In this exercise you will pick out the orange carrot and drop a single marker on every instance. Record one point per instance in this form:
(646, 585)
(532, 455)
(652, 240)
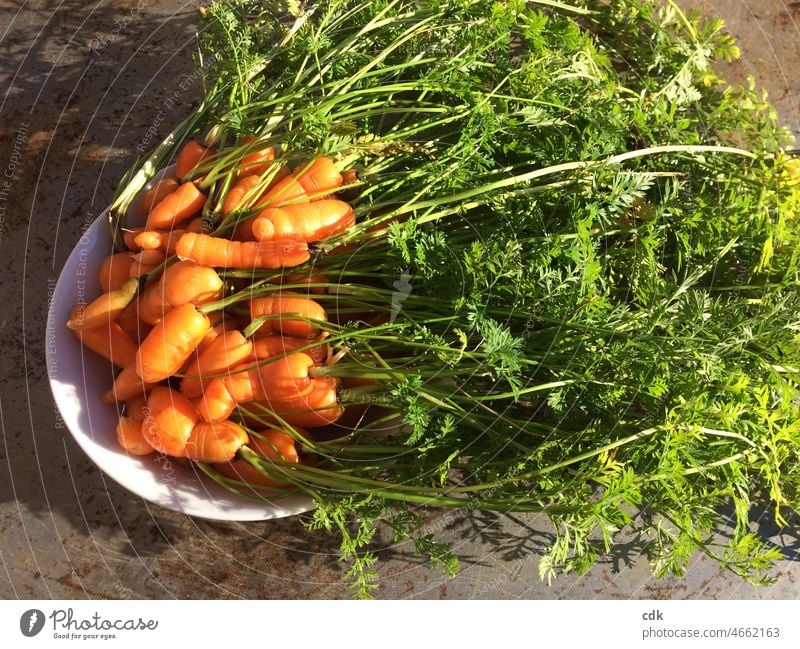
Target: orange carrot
(156, 194)
(146, 240)
(242, 471)
(191, 155)
(226, 351)
(111, 342)
(289, 190)
(349, 176)
(114, 271)
(245, 186)
(130, 437)
(130, 322)
(145, 261)
(219, 252)
(105, 308)
(129, 237)
(303, 221)
(220, 397)
(257, 162)
(136, 408)
(236, 194)
(283, 307)
(166, 240)
(349, 194)
(126, 386)
(186, 282)
(169, 421)
(319, 178)
(215, 442)
(170, 343)
(278, 445)
(243, 231)
(284, 378)
(177, 207)
(158, 239)
(319, 407)
(223, 325)
(181, 283)
(198, 225)
(272, 344)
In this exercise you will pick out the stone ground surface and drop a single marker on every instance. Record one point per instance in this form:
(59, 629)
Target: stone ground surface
(66, 530)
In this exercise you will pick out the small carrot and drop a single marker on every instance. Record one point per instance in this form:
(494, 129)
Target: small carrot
(245, 186)
(177, 207)
(191, 155)
(169, 421)
(282, 308)
(243, 231)
(105, 308)
(111, 342)
(349, 190)
(215, 442)
(127, 385)
(257, 162)
(320, 407)
(277, 446)
(198, 225)
(136, 408)
(166, 240)
(170, 343)
(285, 378)
(272, 344)
(130, 437)
(158, 240)
(145, 240)
(152, 307)
(242, 471)
(181, 283)
(236, 194)
(129, 237)
(319, 178)
(225, 352)
(287, 191)
(114, 271)
(145, 261)
(350, 176)
(130, 322)
(221, 395)
(303, 221)
(219, 252)
(156, 194)
(186, 282)
(223, 323)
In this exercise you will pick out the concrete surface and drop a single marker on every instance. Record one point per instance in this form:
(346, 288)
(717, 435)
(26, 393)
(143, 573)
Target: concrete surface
(81, 86)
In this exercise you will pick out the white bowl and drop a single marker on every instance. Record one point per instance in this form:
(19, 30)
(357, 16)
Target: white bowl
(78, 377)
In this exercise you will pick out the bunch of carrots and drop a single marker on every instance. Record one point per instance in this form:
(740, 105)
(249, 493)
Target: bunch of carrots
(186, 359)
